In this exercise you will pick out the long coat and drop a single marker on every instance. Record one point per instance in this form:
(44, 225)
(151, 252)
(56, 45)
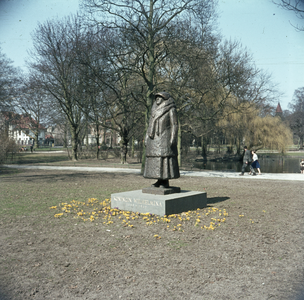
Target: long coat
(161, 142)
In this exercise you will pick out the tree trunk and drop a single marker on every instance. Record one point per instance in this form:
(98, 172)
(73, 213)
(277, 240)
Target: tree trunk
(97, 146)
(238, 146)
(65, 139)
(204, 147)
(111, 139)
(37, 139)
(150, 77)
(230, 147)
(74, 144)
(123, 149)
(132, 147)
(179, 144)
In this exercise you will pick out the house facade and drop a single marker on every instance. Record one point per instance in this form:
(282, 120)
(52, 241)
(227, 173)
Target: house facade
(59, 135)
(25, 136)
(20, 128)
(106, 136)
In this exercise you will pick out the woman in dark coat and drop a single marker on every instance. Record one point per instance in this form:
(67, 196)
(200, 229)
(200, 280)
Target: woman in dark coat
(161, 141)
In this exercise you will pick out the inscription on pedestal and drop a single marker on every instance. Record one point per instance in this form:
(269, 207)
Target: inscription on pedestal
(137, 201)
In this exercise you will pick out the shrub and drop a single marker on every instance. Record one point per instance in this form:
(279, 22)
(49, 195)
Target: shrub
(7, 147)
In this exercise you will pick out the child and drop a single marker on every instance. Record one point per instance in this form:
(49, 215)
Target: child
(302, 166)
(255, 164)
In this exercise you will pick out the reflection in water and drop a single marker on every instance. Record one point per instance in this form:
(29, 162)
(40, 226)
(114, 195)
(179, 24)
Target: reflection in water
(275, 164)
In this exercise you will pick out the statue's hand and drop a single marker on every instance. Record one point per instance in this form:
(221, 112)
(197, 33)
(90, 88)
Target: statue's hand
(146, 139)
(172, 142)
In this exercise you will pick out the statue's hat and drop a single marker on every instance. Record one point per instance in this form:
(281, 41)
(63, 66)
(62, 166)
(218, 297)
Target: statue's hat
(164, 95)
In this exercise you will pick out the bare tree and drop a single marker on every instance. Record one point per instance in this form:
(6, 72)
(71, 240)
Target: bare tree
(34, 103)
(148, 26)
(9, 84)
(171, 45)
(9, 81)
(297, 6)
(217, 83)
(296, 117)
(113, 91)
(55, 66)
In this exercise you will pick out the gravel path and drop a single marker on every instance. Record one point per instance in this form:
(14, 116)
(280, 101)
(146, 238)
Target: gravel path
(220, 174)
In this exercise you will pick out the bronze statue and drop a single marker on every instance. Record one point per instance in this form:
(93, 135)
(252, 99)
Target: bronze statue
(161, 141)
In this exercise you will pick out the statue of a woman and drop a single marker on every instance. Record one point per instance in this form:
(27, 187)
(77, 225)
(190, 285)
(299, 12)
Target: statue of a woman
(161, 141)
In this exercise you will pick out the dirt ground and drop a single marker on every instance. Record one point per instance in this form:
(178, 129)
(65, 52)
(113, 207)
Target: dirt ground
(256, 252)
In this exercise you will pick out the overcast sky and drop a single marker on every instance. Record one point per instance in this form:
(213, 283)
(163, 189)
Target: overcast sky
(259, 25)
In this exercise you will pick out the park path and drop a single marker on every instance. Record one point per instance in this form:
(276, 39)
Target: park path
(204, 173)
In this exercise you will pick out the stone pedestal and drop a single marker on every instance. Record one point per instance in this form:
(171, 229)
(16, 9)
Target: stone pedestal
(161, 191)
(137, 201)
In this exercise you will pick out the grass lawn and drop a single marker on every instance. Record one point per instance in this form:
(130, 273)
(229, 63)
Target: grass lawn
(37, 158)
(60, 239)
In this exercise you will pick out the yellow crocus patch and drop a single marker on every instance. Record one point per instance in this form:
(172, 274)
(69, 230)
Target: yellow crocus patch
(208, 218)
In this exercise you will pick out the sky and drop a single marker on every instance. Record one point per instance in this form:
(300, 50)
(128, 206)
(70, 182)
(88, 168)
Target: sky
(266, 31)
(262, 27)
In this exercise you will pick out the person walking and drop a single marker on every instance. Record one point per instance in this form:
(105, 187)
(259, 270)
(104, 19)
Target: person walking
(247, 161)
(255, 164)
(302, 166)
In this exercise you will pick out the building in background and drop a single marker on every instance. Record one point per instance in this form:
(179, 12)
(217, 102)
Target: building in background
(279, 112)
(21, 128)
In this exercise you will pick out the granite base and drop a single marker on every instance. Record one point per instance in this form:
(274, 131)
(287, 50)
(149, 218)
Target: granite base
(161, 191)
(161, 205)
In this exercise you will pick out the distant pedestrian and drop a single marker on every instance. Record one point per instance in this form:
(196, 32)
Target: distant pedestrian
(247, 161)
(255, 164)
(31, 148)
(302, 166)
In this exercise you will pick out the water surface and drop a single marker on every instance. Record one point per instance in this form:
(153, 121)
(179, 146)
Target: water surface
(269, 164)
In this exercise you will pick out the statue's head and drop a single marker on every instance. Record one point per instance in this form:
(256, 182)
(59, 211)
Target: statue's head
(164, 95)
(161, 96)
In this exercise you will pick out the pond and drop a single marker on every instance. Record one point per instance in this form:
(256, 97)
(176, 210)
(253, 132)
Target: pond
(269, 164)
